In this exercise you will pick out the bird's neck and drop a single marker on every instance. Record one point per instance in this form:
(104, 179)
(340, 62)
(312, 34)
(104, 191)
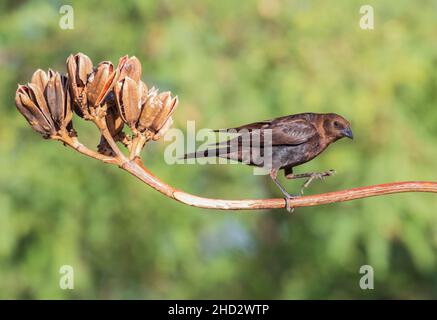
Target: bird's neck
(326, 139)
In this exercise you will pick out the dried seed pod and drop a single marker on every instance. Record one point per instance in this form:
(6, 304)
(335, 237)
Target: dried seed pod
(127, 97)
(79, 68)
(167, 125)
(169, 105)
(129, 90)
(150, 109)
(68, 110)
(100, 83)
(32, 112)
(129, 67)
(45, 103)
(40, 78)
(144, 91)
(58, 99)
(37, 97)
(114, 121)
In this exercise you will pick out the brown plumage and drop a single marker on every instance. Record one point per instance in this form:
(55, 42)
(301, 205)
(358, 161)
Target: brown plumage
(295, 139)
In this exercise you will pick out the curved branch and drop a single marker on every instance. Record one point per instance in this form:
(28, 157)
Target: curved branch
(79, 147)
(137, 169)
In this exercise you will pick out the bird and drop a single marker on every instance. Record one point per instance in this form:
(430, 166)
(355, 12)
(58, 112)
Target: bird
(281, 144)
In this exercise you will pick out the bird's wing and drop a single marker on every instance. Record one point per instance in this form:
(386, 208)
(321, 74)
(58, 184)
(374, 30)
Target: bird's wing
(291, 131)
(284, 131)
(251, 126)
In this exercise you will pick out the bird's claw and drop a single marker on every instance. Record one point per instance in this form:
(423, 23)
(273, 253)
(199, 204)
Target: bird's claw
(289, 208)
(330, 172)
(316, 175)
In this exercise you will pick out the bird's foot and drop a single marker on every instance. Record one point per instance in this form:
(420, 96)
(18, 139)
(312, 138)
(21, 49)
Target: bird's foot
(287, 199)
(316, 175)
(287, 196)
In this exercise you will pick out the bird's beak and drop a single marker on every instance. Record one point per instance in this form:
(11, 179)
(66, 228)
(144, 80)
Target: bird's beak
(348, 133)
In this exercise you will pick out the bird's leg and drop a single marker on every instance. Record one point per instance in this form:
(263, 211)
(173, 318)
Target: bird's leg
(311, 176)
(273, 175)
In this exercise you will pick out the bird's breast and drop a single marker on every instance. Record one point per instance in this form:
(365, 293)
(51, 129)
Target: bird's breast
(286, 156)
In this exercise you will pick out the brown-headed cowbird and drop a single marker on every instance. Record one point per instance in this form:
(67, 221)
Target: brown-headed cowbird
(295, 139)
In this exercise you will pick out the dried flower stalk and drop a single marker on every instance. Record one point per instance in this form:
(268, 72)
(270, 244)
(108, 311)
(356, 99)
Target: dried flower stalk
(112, 97)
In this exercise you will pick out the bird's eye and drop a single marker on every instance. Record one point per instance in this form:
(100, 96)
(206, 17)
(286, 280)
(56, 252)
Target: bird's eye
(336, 124)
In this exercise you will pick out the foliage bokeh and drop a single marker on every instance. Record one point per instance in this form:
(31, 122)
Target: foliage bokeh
(230, 63)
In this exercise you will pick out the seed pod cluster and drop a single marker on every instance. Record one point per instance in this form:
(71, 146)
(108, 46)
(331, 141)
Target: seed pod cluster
(115, 93)
(89, 86)
(142, 108)
(45, 103)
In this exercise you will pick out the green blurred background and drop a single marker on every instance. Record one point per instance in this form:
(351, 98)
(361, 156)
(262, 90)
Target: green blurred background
(230, 63)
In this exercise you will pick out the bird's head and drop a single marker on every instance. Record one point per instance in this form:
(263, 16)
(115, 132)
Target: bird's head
(337, 127)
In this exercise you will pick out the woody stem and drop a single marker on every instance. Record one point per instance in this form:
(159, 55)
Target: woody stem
(76, 145)
(137, 169)
(101, 124)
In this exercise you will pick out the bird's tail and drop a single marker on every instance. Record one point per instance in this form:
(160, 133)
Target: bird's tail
(206, 153)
